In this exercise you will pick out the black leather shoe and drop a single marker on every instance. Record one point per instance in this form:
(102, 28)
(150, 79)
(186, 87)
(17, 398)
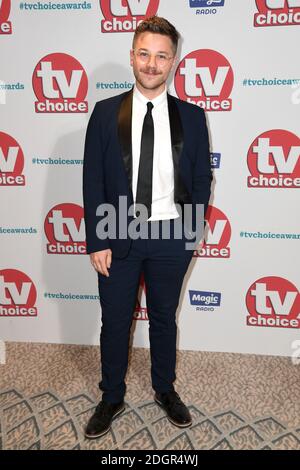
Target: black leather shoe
(176, 410)
(100, 421)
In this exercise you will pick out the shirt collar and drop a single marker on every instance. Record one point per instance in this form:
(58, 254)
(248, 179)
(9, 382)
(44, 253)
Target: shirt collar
(144, 100)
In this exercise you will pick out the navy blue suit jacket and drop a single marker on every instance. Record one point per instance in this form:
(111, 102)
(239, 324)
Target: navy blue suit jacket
(107, 168)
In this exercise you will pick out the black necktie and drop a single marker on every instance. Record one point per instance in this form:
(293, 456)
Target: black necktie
(144, 184)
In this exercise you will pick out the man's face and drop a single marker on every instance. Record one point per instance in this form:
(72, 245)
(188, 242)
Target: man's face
(151, 73)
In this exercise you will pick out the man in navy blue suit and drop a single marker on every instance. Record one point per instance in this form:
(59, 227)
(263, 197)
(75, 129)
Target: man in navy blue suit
(152, 150)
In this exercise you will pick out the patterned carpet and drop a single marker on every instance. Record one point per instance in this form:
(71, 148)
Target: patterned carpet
(48, 392)
(45, 421)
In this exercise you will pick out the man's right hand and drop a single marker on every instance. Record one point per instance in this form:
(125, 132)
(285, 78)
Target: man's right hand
(101, 260)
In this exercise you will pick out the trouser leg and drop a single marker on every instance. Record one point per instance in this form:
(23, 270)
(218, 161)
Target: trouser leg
(117, 298)
(164, 271)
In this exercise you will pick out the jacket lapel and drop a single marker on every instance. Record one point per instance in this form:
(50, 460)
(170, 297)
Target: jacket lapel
(124, 131)
(180, 192)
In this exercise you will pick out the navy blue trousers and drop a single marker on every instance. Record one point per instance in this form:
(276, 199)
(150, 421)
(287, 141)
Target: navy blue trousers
(164, 263)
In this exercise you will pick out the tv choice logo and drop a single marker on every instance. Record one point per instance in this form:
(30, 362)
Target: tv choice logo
(277, 13)
(273, 302)
(11, 161)
(203, 300)
(17, 294)
(65, 230)
(273, 160)
(217, 237)
(60, 84)
(123, 16)
(205, 77)
(140, 311)
(5, 24)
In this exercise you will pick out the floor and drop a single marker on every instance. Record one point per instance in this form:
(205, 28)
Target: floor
(237, 401)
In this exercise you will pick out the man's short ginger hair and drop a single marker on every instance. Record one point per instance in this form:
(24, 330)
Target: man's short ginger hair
(158, 25)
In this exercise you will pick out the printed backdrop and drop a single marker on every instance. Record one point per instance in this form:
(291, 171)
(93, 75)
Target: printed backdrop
(239, 60)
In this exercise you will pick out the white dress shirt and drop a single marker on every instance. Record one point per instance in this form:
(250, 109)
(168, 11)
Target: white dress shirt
(163, 205)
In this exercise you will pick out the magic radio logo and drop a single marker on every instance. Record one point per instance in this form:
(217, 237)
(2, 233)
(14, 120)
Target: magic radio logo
(215, 160)
(277, 13)
(65, 230)
(11, 161)
(121, 16)
(60, 84)
(218, 234)
(273, 302)
(206, 7)
(206, 3)
(17, 294)
(205, 300)
(205, 78)
(5, 24)
(273, 160)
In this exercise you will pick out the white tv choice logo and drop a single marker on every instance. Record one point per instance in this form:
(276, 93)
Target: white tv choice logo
(60, 84)
(17, 294)
(277, 13)
(122, 16)
(273, 160)
(11, 161)
(65, 230)
(5, 24)
(205, 77)
(217, 235)
(273, 302)
(140, 312)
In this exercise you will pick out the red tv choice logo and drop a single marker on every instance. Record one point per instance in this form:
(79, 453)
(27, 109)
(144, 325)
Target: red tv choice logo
(64, 229)
(17, 294)
(60, 84)
(11, 161)
(273, 301)
(122, 16)
(218, 235)
(273, 160)
(277, 13)
(5, 25)
(205, 78)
